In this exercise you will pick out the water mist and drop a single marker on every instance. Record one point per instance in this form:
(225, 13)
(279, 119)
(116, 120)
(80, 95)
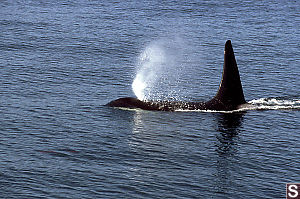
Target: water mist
(158, 69)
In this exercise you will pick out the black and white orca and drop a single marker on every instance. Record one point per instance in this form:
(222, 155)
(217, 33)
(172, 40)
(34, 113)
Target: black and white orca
(229, 97)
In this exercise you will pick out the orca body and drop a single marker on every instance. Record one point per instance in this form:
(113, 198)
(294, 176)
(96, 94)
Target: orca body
(229, 96)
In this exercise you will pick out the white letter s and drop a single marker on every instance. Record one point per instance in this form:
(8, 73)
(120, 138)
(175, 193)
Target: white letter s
(293, 189)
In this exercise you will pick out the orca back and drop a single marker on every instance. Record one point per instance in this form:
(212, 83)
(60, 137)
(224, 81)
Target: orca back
(229, 96)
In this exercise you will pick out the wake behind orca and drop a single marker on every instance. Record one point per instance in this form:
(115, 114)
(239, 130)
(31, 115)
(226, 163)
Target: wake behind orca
(229, 97)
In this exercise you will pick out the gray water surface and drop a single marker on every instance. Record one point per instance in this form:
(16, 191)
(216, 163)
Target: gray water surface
(62, 61)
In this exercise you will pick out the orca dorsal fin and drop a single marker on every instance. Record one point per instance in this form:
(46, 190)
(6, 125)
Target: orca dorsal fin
(230, 89)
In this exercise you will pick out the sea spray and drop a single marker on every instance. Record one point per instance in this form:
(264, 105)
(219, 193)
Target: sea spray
(150, 63)
(159, 68)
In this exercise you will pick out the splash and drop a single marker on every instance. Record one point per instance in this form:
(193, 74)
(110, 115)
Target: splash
(274, 103)
(158, 69)
(261, 104)
(150, 64)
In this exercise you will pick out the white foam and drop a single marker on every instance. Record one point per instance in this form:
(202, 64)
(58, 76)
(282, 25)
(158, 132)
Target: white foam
(245, 107)
(259, 104)
(274, 101)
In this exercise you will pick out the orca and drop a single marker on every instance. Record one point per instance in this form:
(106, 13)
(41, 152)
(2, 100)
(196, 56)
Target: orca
(229, 97)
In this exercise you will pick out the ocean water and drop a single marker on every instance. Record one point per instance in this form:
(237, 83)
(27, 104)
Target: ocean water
(62, 61)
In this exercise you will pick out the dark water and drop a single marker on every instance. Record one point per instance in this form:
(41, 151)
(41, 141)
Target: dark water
(62, 61)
